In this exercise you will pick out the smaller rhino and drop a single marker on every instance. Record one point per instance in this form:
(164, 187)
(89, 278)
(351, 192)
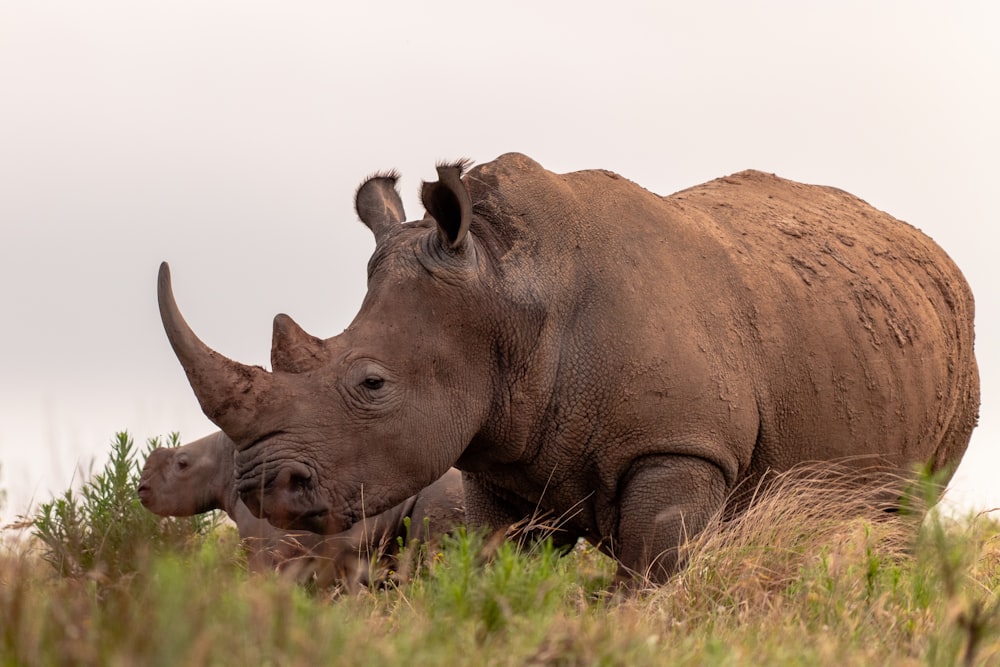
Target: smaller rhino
(199, 477)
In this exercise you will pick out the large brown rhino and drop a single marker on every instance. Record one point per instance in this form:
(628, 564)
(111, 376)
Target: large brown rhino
(579, 345)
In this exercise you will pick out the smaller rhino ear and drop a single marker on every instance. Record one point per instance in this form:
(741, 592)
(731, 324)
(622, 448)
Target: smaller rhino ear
(292, 349)
(378, 204)
(448, 202)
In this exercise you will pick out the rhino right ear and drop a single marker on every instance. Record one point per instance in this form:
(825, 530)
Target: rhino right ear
(378, 204)
(448, 202)
(293, 350)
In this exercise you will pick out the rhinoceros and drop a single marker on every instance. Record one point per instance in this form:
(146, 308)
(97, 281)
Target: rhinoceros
(198, 477)
(626, 361)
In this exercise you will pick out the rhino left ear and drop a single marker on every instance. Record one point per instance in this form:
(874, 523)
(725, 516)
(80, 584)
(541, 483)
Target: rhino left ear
(293, 350)
(378, 204)
(448, 202)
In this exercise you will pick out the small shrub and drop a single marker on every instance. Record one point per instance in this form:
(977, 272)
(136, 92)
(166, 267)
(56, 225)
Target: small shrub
(103, 530)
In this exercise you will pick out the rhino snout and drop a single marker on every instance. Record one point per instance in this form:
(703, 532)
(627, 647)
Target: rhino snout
(251, 492)
(287, 496)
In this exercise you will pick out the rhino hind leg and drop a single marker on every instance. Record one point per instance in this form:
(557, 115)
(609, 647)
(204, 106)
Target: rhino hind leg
(657, 526)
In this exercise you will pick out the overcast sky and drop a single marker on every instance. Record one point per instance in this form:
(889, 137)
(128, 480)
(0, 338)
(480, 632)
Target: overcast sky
(228, 139)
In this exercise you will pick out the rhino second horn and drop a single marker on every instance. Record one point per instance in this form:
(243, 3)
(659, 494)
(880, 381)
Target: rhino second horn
(229, 392)
(292, 349)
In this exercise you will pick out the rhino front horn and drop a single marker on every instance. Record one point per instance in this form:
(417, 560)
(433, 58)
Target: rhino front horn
(230, 393)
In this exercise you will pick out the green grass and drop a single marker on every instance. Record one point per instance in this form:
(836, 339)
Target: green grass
(810, 576)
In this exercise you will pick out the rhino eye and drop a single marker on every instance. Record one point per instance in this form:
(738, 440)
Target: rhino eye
(182, 463)
(373, 383)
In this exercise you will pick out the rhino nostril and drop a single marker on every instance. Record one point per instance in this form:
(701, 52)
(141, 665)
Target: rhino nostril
(295, 477)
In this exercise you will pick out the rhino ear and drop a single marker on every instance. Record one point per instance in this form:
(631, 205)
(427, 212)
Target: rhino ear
(378, 204)
(448, 202)
(292, 349)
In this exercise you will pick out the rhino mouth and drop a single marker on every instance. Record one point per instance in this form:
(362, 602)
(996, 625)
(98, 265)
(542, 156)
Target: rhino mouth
(315, 521)
(145, 493)
(288, 496)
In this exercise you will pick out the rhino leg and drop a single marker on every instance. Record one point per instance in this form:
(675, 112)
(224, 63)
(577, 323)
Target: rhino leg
(656, 526)
(438, 509)
(485, 509)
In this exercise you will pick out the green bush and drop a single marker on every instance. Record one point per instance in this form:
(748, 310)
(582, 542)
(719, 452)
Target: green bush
(103, 529)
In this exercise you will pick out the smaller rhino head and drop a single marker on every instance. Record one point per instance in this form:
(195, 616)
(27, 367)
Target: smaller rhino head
(190, 479)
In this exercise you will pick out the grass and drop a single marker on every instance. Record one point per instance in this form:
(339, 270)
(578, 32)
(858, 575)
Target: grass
(812, 575)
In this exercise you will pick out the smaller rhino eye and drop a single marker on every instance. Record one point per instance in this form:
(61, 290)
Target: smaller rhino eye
(182, 463)
(373, 383)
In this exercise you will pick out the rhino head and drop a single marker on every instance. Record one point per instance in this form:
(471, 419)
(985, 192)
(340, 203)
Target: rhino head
(349, 426)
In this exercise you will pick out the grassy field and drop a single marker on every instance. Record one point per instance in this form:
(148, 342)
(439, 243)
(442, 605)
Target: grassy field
(811, 576)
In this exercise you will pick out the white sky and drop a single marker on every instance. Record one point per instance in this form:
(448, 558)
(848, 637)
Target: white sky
(228, 139)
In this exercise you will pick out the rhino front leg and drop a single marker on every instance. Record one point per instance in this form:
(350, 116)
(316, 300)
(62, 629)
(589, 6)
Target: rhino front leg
(484, 509)
(666, 500)
(489, 510)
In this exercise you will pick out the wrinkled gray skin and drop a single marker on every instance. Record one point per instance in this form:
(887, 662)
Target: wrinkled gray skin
(576, 344)
(198, 477)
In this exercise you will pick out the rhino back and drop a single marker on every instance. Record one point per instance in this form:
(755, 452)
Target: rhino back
(864, 325)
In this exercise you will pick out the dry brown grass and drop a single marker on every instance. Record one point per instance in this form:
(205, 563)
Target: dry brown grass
(813, 516)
